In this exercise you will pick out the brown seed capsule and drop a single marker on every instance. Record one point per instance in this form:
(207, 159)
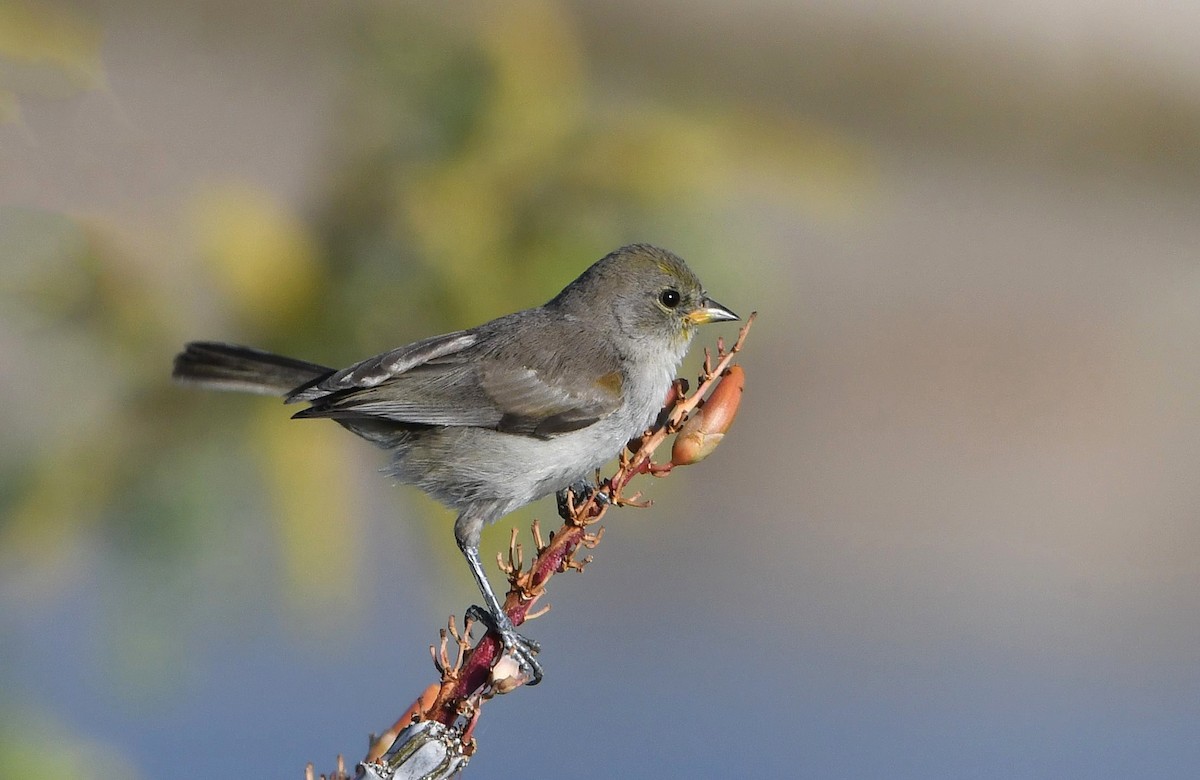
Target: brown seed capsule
(706, 427)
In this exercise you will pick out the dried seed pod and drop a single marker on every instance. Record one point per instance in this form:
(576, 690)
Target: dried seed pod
(706, 427)
(425, 749)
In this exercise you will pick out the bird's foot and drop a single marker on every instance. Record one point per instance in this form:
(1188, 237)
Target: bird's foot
(576, 494)
(522, 648)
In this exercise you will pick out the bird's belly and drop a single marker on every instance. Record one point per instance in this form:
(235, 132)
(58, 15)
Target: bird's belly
(462, 466)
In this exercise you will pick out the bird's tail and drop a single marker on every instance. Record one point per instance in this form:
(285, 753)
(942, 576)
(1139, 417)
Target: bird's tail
(220, 366)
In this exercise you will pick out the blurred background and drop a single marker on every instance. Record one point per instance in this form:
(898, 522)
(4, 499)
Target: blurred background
(953, 534)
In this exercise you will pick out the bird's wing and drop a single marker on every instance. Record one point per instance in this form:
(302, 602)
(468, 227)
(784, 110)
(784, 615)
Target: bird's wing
(542, 397)
(376, 370)
(525, 383)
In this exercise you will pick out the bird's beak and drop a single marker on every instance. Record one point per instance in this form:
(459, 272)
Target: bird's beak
(711, 311)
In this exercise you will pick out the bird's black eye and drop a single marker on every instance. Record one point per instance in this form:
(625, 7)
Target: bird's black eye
(669, 298)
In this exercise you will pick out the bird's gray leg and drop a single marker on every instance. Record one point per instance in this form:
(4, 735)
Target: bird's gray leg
(583, 489)
(466, 531)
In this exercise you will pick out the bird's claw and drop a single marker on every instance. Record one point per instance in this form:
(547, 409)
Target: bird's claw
(520, 647)
(576, 494)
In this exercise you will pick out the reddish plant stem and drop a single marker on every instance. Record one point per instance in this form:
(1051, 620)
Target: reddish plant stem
(474, 673)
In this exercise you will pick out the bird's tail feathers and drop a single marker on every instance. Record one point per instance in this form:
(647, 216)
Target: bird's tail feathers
(221, 366)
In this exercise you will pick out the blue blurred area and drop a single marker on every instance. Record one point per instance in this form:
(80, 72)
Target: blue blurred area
(953, 533)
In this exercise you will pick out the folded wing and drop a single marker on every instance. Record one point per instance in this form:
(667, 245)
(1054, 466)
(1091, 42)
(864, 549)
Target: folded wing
(518, 381)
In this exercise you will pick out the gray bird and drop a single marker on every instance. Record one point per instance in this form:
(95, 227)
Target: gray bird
(489, 419)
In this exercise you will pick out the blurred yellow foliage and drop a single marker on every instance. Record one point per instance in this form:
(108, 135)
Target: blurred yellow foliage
(537, 101)
(463, 211)
(263, 259)
(53, 40)
(308, 470)
(30, 735)
(69, 489)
